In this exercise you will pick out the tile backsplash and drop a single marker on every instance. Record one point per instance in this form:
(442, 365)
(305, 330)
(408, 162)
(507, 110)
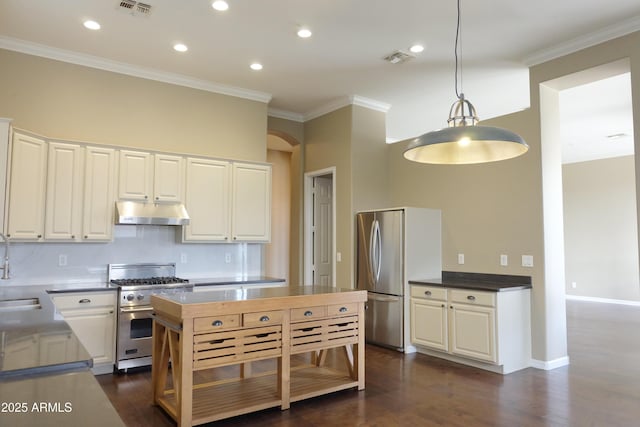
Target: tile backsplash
(43, 263)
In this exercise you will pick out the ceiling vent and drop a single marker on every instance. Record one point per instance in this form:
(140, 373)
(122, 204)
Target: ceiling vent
(398, 57)
(134, 7)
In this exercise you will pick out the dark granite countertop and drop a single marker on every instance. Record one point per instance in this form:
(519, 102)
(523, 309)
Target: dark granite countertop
(477, 281)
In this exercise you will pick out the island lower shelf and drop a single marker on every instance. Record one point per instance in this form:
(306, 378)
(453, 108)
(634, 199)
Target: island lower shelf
(298, 332)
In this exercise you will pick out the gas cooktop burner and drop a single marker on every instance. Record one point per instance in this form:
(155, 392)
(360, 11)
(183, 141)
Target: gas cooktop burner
(149, 281)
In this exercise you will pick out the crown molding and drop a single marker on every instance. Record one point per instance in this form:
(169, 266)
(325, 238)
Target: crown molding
(284, 114)
(345, 101)
(570, 46)
(128, 69)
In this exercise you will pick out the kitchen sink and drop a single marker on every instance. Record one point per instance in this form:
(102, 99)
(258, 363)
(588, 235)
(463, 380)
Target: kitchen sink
(19, 304)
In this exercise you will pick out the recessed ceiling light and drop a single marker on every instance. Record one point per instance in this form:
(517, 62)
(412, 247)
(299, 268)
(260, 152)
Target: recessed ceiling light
(416, 48)
(220, 5)
(304, 33)
(180, 47)
(92, 25)
(256, 66)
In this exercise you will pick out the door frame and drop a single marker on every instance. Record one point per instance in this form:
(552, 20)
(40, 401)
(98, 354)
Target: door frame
(308, 220)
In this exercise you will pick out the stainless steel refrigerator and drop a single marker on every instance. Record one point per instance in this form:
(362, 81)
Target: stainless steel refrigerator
(394, 246)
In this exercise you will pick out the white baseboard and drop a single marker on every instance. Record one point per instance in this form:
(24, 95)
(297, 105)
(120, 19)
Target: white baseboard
(548, 365)
(604, 300)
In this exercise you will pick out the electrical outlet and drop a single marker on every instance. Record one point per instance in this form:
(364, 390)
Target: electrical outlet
(183, 258)
(574, 285)
(504, 260)
(460, 258)
(338, 256)
(62, 260)
(527, 260)
(227, 258)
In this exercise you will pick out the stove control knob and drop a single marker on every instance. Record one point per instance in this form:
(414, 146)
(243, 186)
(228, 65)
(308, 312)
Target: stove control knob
(130, 297)
(140, 297)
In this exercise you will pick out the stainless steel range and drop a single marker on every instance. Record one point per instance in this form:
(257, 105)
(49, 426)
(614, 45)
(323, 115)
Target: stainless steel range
(136, 283)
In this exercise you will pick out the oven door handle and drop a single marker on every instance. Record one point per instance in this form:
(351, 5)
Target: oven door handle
(136, 309)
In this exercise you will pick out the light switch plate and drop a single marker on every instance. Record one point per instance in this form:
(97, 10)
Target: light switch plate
(460, 258)
(527, 260)
(504, 260)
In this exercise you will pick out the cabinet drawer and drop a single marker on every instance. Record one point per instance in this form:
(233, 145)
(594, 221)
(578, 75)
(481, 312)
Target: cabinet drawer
(429, 292)
(85, 300)
(262, 318)
(216, 323)
(308, 313)
(464, 296)
(342, 309)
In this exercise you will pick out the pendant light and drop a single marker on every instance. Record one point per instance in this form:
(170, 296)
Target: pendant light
(463, 141)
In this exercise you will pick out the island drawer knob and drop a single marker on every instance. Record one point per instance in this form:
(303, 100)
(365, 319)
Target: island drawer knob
(216, 323)
(471, 298)
(427, 293)
(84, 301)
(343, 309)
(308, 313)
(264, 319)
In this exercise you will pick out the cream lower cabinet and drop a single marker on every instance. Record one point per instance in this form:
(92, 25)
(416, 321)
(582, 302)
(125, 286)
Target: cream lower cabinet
(92, 317)
(490, 330)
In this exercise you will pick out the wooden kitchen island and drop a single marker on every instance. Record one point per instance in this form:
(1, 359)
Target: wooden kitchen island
(208, 330)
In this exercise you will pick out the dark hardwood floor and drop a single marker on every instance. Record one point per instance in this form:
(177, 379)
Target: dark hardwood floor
(601, 387)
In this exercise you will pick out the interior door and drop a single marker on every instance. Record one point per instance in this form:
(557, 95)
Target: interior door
(322, 222)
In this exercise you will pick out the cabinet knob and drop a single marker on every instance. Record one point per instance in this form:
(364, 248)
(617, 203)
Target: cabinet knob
(73, 236)
(39, 236)
(84, 301)
(308, 313)
(157, 198)
(234, 237)
(343, 309)
(442, 305)
(451, 307)
(216, 323)
(266, 318)
(86, 237)
(146, 197)
(471, 298)
(427, 293)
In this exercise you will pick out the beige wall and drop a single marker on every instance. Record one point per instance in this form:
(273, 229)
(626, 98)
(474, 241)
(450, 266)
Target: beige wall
(68, 101)
(601, 244)
(277, 252)
(327, 141)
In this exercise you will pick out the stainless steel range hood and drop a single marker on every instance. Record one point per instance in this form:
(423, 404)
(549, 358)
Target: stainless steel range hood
(136, 213)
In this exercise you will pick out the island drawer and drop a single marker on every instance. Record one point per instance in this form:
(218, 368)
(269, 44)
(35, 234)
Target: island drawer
(462, 296)
(214, 323)
(308, 313)
(262, 318)
(429, 292)
(342, 309)
(235, 346)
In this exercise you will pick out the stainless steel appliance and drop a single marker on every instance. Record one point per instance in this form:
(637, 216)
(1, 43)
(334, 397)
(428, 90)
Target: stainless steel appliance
(136, 283)
(394, 246)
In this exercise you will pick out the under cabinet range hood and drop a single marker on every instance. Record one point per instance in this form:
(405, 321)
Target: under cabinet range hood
(137, 213)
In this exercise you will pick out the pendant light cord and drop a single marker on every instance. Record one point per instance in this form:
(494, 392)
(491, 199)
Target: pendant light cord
(455, 52)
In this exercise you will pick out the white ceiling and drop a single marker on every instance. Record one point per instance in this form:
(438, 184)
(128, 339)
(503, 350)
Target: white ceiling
(305, 77)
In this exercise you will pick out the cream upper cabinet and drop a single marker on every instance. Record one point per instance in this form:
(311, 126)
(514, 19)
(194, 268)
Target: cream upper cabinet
(63, 210)
(168, 181)
(27, 187)
(207, 200)
(99, 194)
(136, 175)
(251, 203)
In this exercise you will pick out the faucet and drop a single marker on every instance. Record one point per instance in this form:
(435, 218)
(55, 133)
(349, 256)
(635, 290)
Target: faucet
(5, 264)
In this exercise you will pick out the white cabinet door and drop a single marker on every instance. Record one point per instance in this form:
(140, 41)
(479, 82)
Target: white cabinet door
(168, 178)
(135, 176)
(57, 348)
(473, 331)
(429, 323)
(95, 330)
(64, 192)
(27, 187)
(99, 194)
(251, 203)
(207, 200)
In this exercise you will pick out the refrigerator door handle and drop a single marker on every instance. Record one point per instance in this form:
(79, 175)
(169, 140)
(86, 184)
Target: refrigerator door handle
(379, 247)
(372, 246)
(383, 298)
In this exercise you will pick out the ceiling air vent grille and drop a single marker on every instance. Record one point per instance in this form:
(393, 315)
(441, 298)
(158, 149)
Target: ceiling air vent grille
(135, 7)
(398, 57)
